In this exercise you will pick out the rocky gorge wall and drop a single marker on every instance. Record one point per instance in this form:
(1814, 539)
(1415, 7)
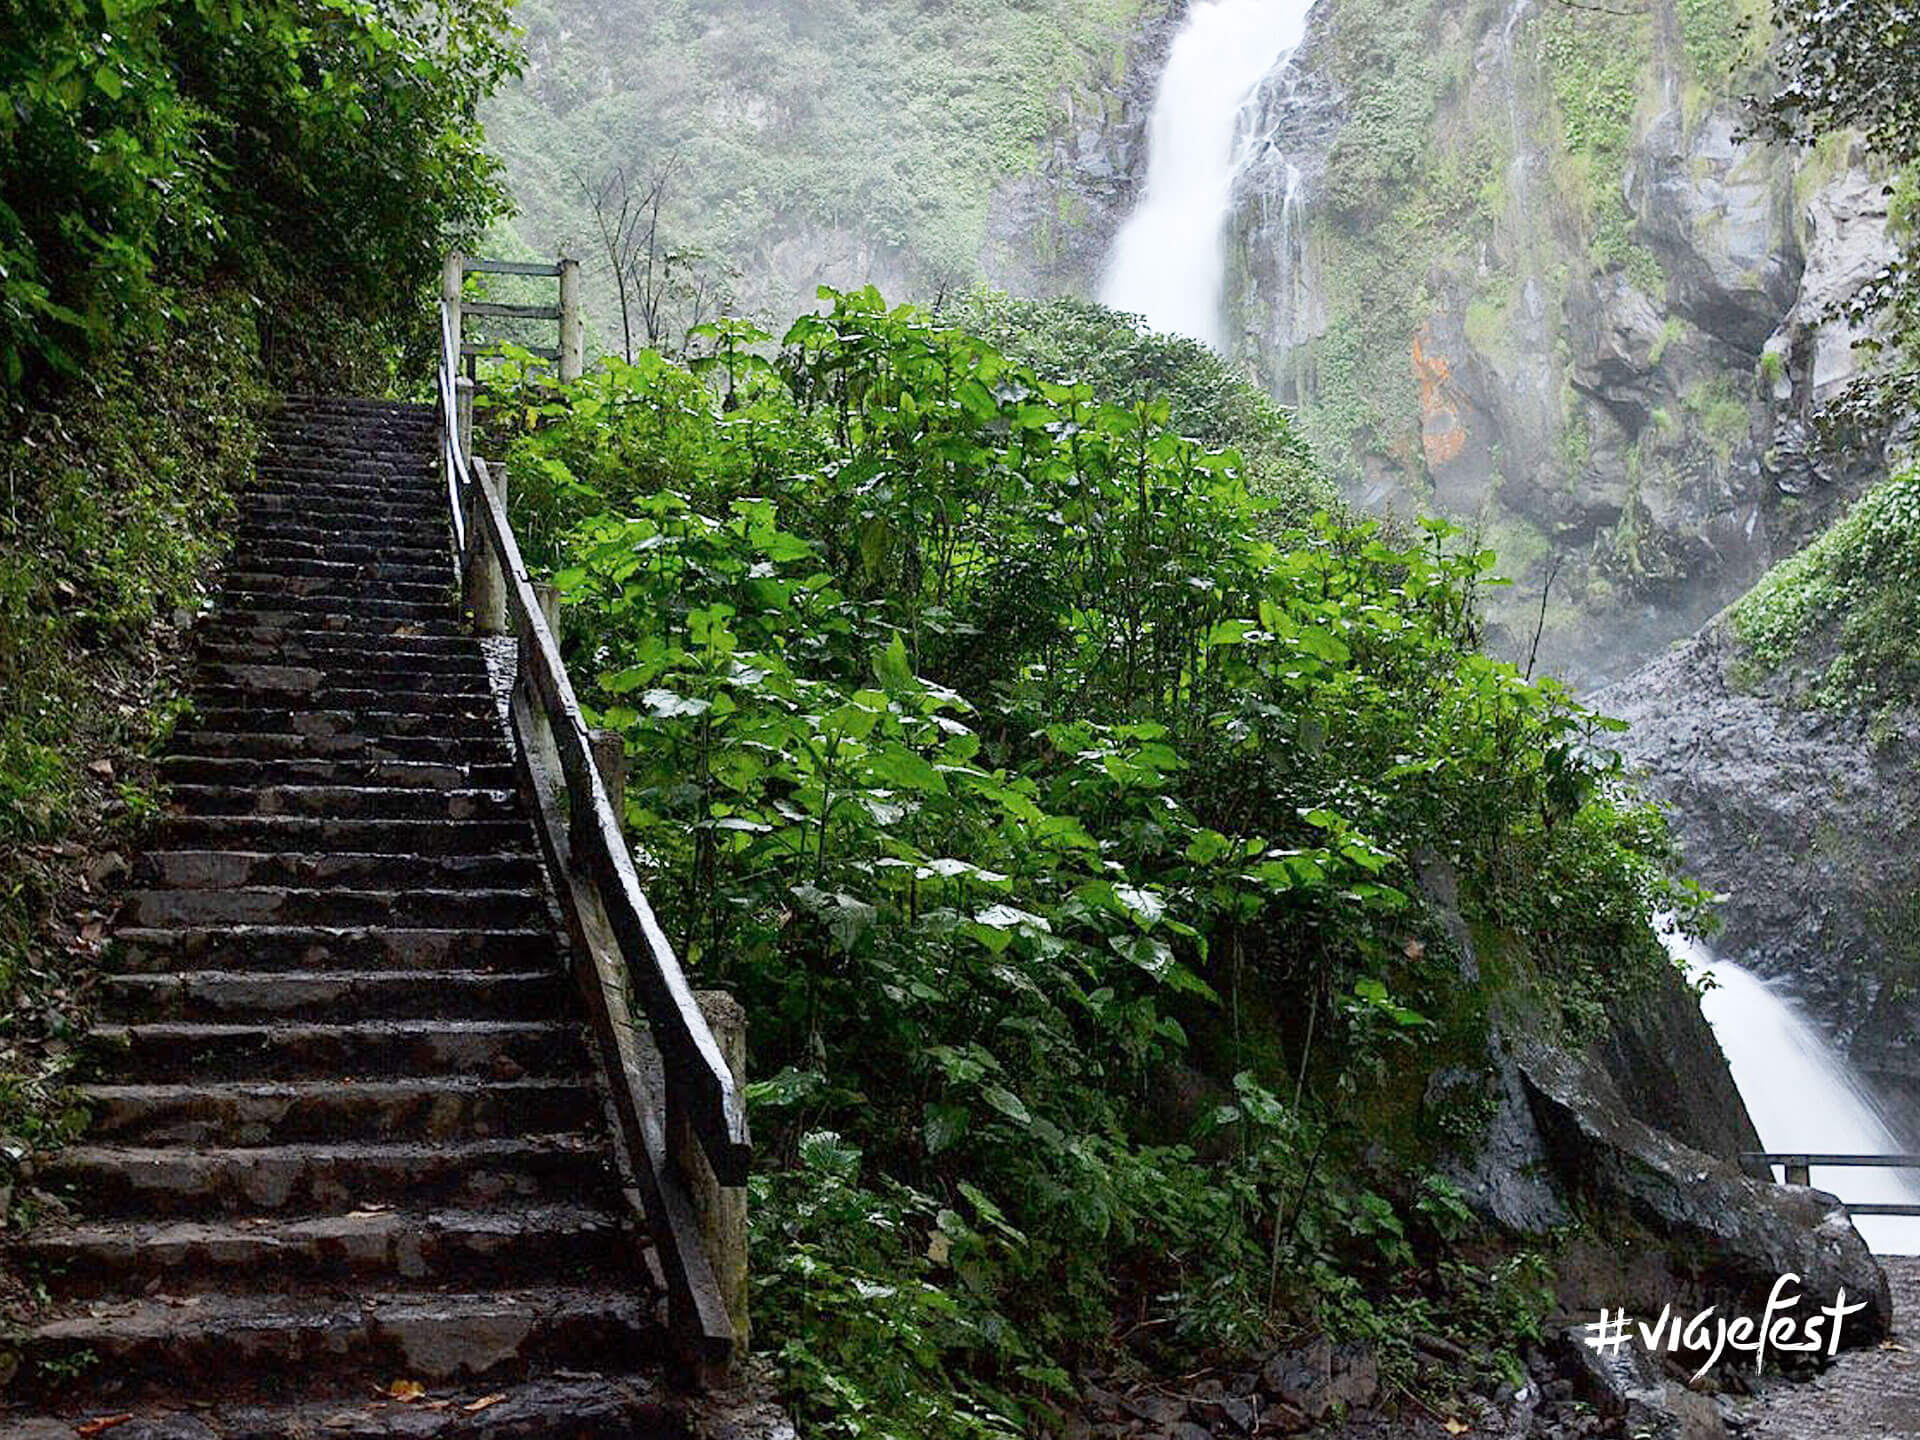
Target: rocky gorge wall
(1515, 262)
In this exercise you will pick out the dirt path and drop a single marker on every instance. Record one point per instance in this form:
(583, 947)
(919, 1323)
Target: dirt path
(1865, 1394)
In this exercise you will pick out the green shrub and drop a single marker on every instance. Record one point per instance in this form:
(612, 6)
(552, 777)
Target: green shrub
(987, 740)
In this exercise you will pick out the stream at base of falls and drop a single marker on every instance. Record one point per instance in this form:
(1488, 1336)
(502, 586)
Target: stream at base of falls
(1803, 1094)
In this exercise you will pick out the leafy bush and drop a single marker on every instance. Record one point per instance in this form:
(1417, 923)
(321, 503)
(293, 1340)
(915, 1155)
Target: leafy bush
(112, 515)
(325, 145)
(1844, 609)
(1055, 825)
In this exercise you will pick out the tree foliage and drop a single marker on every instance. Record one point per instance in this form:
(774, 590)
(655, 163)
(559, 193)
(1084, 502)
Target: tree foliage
(1054, 811)
(1855, 65)
(329, 144)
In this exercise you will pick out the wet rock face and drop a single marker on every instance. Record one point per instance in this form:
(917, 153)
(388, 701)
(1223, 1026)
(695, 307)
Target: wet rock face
(1719, 212)
(1048, 231)
(1741, 1234)
(1595, 399)
(1806, 826)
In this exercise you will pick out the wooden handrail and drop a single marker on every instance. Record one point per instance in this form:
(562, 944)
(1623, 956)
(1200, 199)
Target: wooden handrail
(680, 1119)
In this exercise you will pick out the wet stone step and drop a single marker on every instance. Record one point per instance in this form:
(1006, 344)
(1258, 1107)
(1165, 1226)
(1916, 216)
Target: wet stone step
(345, 801)
(292, 518)
(433, 694)
(323, 609)
(419, 908)
(425, 567)
(506, 1245)
(175, 1182)
(434, 1337)
(302, 669)
(412, 1112)
(335, 996)
(307, 834)
(238, 585)
(597, 1406)
(179, 1050)
(277, 643)
(338, 770)
(435, 749)
(463, 721)
(431, 588)
(353, 870)
(314, 947)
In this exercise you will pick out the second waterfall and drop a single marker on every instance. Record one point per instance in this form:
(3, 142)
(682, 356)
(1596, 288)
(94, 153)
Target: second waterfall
(1167, 263)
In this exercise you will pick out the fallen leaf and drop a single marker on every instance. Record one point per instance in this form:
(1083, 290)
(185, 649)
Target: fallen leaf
(1414, 950)
(485, 1402)
(1457, 1427)
(102, 768)
(407, 1391)
(102, 1425)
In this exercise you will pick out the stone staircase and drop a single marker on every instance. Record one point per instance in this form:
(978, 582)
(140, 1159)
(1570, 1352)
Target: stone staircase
(344, 1133)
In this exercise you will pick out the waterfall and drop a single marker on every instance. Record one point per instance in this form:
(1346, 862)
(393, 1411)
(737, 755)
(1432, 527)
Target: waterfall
(1803, 1094)
(1167, 262)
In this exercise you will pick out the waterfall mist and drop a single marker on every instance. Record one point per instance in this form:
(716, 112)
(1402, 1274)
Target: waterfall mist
(1166, 263)
(1803, 1094)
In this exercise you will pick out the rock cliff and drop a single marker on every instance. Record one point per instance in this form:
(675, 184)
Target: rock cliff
(1518, 263)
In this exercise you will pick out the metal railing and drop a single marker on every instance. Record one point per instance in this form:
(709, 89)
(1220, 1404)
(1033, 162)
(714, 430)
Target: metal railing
(1799, 1167)
(675, 1091)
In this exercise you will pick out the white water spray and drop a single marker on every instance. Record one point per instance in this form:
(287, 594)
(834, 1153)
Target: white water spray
(1167, 263)
(1803, 1095)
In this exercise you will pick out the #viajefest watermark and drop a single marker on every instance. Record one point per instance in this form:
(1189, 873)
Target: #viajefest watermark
(1777, 1330)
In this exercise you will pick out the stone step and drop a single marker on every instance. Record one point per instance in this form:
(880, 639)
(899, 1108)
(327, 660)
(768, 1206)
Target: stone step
(356, 545)
(222, 770)
(335, 996)
(347, 744)
(417, 1110)
(353, 870)
(382, 570)
(296, 667)
(264, 627)
(458, 699)
(404, 909)
(291, 516)
(241, 587)
(231, 643)
(179, 1050)
(573, 1405)
(319, 498)
(326, 609)
(181, 1183)
(308, 834)
(251, 745)
(314, 947)
(466, 721)
(359, 802)
(433, 1337)
(497, 1247)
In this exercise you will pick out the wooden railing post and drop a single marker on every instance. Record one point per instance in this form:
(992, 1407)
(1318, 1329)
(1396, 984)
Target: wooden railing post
(547, 595)
(573, 342)
(453, 278)
(721, 1210)
(610, 759)
(463, 414)
(1799, 1172)
(485, 587)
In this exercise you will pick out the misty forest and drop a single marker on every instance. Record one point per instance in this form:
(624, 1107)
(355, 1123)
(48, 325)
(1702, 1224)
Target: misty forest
(960, 719)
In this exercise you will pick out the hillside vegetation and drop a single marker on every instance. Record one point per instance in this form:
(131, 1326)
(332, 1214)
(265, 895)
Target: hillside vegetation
(1052, 800)
(199, 203)
(807, 141)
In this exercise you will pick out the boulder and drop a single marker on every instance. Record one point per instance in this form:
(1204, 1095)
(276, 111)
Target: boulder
(1732, 1236)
